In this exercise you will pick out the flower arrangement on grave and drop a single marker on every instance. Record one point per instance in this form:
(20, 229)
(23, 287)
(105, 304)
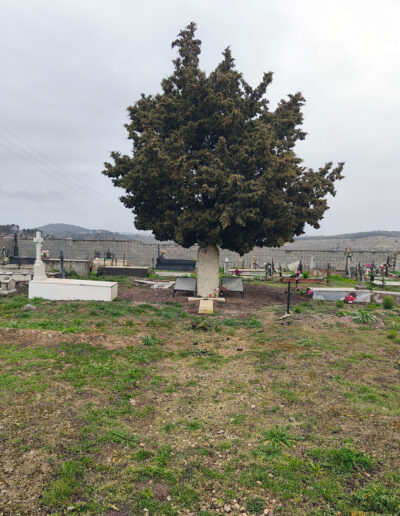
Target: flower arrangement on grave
(309, 292)
(349, 298)
(237, 272)
(45, 253)
(222, 290)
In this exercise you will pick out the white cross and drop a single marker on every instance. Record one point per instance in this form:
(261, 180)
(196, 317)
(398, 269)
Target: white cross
(38, 240)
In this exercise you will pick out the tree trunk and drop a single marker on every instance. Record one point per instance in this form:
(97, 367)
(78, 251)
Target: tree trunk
(207, 267)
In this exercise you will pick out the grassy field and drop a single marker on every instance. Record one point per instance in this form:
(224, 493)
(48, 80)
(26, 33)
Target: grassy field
(129, 409)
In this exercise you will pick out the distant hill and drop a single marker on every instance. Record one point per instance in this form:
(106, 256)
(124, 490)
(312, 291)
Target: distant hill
(353, 236)
(80, 233)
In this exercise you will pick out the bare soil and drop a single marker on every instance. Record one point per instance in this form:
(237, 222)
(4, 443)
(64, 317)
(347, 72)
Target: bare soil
(255, 296)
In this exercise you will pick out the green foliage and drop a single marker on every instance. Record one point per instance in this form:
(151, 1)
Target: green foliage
(340, 303)
(67, 484)
(377, 499)
(388, 302)
(149, 340)
(343, 460)
(306, 274)
(255, 505)
(205, 139)
(364, 317)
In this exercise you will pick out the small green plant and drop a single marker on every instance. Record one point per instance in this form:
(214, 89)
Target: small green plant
(364, 317)
(149, 340)
(255, 505)
(298, 310)
(306, 274)
(388, 302)
(193, 425)
(339, 303)
(392, 334)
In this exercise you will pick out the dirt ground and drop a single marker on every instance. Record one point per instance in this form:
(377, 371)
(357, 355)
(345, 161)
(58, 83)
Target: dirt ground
(255, 296)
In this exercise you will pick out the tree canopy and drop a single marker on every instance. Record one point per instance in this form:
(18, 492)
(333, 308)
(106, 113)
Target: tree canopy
(213, 165)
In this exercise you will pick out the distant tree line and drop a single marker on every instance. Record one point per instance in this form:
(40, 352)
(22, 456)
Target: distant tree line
(10, 229)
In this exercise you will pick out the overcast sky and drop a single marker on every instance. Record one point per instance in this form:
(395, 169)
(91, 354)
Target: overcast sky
(69, 69)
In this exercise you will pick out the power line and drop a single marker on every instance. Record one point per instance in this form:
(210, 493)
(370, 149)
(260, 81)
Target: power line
(77, 185)
(54, 174)
(87, 185)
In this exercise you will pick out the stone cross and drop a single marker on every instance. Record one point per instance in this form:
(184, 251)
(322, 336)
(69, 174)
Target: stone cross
(39, 270)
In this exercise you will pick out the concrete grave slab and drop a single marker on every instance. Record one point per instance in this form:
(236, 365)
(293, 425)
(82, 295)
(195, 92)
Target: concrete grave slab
(206, 306)
(378, 295)
(336, 294)
(388, 283)
(233, 285)
(184, 285)
(69, 289)
(218, 299)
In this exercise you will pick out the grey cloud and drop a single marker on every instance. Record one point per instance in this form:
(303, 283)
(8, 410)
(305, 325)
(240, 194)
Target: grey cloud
(70, 69)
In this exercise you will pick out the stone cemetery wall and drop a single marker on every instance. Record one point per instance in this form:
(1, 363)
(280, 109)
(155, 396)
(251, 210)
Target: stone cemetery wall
(138, 253)
(81, 267)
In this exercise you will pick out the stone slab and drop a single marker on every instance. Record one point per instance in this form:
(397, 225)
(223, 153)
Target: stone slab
(193, 299)
(378, 295)
(206, 306)
(69, 289)
(18, 277)
(185, 285)
(388, 283)
(257, 273)
(174, 274)
(336, 294)
(130, 270)
(233, 285)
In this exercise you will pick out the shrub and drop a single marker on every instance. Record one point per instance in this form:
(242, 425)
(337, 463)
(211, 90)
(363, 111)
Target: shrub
(392, 334)
(364, 317)
(340, 303)
(388, 302)
(306, 275)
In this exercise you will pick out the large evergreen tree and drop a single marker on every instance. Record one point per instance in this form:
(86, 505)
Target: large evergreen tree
(213, 165)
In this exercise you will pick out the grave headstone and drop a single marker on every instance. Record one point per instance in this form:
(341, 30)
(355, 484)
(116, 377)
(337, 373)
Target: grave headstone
(39, 270)
(226, 265)
(16, 250)
(61, 264)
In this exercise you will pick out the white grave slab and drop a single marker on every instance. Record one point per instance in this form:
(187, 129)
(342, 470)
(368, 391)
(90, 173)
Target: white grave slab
(57, 289)
(388, 283)
(70, 289)
(334, 294)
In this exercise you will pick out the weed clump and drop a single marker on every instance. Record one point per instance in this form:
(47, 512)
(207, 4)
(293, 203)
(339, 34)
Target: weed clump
(364, 317)
(149, 340)
(340, 303)
(388, 302)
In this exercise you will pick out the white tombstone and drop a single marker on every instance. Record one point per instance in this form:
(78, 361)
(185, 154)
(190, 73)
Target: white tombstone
(226, 266)
(66, 289)
(39, 269)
